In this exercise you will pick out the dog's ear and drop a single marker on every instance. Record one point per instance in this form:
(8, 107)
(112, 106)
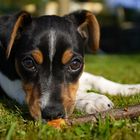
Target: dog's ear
(88, 27)
(11, 28)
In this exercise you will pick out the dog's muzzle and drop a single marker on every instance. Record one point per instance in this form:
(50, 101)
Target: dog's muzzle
(53, 112)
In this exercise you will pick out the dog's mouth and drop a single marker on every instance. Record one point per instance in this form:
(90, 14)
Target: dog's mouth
(57, 112)
(58, 122)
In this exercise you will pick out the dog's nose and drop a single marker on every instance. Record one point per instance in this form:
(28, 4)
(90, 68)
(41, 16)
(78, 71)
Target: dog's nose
(50, 113)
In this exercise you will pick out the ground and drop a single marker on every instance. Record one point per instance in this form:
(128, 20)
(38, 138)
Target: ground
(16, 123)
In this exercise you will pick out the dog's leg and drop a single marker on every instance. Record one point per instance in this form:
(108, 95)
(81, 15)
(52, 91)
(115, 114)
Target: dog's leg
(92, 103)
(89, 81)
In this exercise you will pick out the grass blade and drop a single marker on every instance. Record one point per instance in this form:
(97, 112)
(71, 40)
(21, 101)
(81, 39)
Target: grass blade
(11, 131)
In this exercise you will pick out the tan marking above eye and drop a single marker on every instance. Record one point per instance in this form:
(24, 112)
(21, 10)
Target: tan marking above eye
(38, 56)
(67, 56)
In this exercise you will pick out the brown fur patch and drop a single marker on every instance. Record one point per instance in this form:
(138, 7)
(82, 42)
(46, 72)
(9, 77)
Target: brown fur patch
(94, 31)
(67, 56)
(32, 99)
(90, 28)
(14, 33)
(38, 56)
(69, 96)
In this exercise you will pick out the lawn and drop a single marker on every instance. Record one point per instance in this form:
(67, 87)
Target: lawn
(16, 123)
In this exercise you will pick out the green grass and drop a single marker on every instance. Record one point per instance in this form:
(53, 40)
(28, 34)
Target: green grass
(16, 123)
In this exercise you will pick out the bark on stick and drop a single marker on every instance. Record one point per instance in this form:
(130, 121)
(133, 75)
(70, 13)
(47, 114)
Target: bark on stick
(122, 113)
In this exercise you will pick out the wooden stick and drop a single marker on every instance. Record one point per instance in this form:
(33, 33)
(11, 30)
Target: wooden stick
(129, 112)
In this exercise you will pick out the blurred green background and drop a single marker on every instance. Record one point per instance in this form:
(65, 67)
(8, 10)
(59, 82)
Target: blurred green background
(119, 19)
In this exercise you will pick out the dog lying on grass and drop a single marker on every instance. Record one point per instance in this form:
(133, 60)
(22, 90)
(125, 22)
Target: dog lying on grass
(42, 61)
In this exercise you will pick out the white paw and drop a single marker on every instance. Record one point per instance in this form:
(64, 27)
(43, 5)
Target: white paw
(92, 103)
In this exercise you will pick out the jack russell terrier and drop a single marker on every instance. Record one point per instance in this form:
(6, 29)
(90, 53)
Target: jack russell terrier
(42, 61)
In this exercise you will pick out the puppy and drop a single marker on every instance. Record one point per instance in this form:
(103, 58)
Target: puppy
(42, 60)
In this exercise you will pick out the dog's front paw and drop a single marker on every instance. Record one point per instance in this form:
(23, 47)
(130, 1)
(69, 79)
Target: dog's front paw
(92, 103)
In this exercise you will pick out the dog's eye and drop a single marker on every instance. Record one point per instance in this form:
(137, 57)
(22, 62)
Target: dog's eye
(75, 65)
(28, 64)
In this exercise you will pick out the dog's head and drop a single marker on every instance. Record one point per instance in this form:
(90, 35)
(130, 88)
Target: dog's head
(47, 54)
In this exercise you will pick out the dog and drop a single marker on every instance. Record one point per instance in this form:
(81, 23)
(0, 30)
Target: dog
(42, 62)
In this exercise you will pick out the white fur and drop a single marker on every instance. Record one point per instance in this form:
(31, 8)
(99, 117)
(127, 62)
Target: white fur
(45, 99)
(12, 88)
(52, 41)
(89, 81)
(92, 103)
